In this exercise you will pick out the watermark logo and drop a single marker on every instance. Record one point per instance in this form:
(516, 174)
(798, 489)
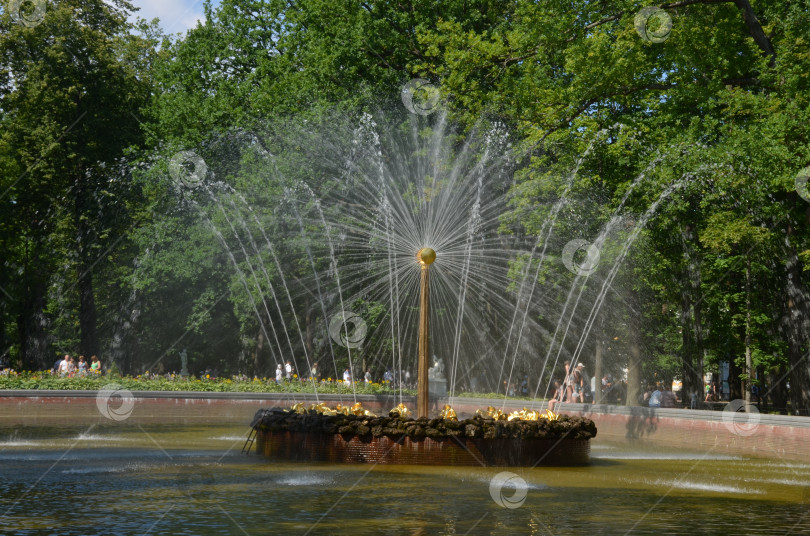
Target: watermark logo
(653, 24)
(585, 266)
(114, 402)
(801, 184)
(506, 481)
(343, 334)
(188, 168)
(27, 12)
(420, 96)
(741, 418)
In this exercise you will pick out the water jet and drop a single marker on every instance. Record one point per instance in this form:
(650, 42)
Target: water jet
(355, 435)
(358, 205)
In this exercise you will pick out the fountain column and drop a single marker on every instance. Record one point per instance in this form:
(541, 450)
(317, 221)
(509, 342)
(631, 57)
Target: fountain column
(425, 256)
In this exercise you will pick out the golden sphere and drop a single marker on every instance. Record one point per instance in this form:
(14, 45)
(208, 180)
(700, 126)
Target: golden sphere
(426, 256)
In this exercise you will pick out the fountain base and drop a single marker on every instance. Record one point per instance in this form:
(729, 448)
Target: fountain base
(479, 441)
(337, 448)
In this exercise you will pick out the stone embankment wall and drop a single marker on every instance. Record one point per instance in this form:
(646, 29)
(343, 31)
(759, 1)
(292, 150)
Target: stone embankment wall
(55, 408)
(701, 431)
(712, 432)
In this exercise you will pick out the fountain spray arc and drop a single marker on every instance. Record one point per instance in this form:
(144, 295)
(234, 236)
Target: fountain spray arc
(454, 214)
(425, 256)
(345, 434)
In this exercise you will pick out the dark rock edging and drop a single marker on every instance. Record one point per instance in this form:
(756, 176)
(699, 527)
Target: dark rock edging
(395, 426)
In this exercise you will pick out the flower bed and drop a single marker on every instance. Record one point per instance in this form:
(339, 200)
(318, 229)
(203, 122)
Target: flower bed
(10, 379)
(154, 382)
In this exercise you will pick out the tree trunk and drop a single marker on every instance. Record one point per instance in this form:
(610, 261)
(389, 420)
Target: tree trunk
(777, 390)
(749, 366)
(31, 327)
(796, 318)
(691, 332)
(634, 364)
(597, 372)
(755, 29)
(735, 382)
(310, 334)
(4, 342)
(257, 365)
(88, 341)
(31, 321)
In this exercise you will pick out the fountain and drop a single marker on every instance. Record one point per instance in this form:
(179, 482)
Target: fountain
(327, 260)
(355, 435)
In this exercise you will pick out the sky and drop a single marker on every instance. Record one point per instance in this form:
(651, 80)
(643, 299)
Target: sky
(176, 16)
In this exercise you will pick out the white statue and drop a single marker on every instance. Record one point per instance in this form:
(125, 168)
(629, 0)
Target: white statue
(436, 372)
(184, 362)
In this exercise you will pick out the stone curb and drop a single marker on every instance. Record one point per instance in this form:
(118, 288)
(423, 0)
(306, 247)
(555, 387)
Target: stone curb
(587, 410)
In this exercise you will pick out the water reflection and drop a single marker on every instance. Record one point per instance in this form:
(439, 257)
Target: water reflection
(193, 480)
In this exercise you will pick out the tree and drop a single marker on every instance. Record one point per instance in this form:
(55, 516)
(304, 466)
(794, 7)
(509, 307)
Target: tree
(69, 95)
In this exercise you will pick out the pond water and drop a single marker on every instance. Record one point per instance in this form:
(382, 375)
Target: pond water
(138, 479)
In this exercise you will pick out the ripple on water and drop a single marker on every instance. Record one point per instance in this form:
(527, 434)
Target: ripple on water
(663, 456)
(486, 481)
(129, 467)
(229, 438)
(305, 480)
(95, 470)
(95, 437)
(192, 490)
(13, 444)
(602, 447)
(704, 486)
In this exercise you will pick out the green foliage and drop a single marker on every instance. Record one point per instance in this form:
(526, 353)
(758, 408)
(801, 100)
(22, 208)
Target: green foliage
(699, 138)
(151, 382)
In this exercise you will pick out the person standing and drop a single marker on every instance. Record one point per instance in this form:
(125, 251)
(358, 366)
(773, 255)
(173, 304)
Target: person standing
(64, 366)
(368, 377)
(58, 364)
(584, 383)
(576, 385)
(347, 376)
(314, 375)
(668, 398)
(279, 373)
(557, 397)
(82, 366)
(288, 369)
(95, 365)
(607, 390)
(568, 383)
(655, 397)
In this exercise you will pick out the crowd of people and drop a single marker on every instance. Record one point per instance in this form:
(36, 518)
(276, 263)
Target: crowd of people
(660, 396)
(67, 367)
(578, 387)
(574, 388)
(287, 372)
(520, 388)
